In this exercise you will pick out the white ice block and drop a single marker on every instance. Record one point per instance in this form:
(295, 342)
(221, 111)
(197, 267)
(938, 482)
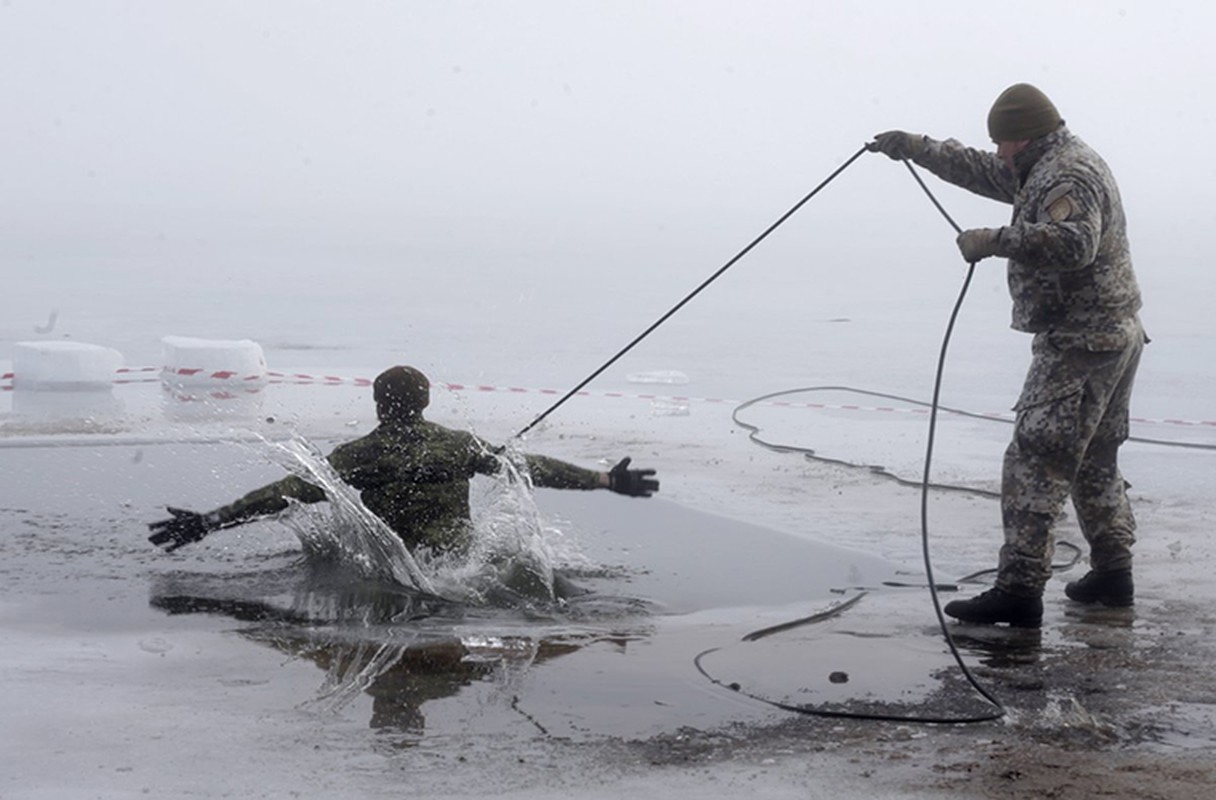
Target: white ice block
(64, 365)
(234, 363)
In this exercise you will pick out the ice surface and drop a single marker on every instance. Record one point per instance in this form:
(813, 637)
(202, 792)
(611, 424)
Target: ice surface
(548, 203)
(64, 410)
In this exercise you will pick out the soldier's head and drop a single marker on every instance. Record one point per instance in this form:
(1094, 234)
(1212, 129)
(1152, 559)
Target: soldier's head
(400, 393)
(1020, 115)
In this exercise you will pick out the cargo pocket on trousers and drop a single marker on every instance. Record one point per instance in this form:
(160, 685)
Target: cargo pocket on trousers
(1049, 417)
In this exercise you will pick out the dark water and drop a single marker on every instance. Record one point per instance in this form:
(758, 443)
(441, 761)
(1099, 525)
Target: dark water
(110, 637)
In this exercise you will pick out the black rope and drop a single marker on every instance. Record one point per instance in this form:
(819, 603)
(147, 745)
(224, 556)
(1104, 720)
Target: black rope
(809, 453)
(691, 294)
(754, 431)
(998, 710)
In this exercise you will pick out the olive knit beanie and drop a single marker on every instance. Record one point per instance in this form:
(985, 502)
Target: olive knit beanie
(1022, 112)
(401, 392)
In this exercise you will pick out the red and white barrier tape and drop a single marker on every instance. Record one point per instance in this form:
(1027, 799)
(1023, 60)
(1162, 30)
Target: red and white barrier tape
(457, 387)
(303, 379)
(325, 380)
(123, 371)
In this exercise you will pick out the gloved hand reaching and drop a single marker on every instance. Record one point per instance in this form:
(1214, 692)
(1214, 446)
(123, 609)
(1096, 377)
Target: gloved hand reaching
(633, 482)
(897, 145)
(183, 528)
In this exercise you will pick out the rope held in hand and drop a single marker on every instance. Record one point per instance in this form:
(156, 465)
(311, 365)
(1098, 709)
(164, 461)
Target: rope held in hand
(692, 294)
(998, 709)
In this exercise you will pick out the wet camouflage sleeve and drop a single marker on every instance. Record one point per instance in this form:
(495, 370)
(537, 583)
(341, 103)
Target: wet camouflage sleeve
(270, 499)
(371, 462)
(545, 471)
(555, 474)
(415, 476)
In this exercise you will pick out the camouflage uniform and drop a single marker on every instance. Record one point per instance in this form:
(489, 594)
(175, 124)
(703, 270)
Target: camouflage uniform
(1073, 287)
(414, 475)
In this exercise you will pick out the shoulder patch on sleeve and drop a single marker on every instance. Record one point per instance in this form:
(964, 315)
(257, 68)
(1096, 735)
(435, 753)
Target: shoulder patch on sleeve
(1060, 203)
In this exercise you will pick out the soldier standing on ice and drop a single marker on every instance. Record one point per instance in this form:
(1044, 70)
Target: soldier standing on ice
(1071, 279)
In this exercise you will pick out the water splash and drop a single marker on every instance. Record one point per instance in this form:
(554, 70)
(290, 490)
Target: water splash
(353, 535)
(354, 672)
(513, 554)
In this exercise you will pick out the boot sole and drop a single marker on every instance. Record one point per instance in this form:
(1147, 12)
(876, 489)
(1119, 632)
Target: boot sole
(1104, 600)
(1038, 623)
(1109, 602)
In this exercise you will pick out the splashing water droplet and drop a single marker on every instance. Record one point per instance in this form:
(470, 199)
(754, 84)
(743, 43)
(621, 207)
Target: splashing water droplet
(511, 547)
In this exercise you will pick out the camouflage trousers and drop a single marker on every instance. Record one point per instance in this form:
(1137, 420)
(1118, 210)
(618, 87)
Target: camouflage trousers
(1072, 417)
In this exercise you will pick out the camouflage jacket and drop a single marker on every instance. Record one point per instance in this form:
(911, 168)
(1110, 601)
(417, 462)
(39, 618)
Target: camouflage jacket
(1069, 265)
(414, 475)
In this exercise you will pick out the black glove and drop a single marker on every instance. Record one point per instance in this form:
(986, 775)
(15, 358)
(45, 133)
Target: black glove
(183, 528)
(898, 145)
(633, 482)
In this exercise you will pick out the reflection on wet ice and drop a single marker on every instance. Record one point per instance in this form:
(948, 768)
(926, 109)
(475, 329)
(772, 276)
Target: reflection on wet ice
(400, 647)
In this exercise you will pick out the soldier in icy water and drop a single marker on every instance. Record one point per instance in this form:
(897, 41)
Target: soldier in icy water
(412, 473)
(1070, 276)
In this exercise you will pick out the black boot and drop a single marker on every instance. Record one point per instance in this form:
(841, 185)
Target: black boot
(996, 605)
(1108, 588)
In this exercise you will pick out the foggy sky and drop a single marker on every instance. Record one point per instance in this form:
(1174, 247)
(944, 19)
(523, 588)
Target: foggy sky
(571, 139)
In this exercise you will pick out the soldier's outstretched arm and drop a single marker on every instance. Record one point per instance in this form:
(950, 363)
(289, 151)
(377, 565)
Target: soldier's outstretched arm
(976, 171)
(632, 482)
(556, 474)
(185, 527)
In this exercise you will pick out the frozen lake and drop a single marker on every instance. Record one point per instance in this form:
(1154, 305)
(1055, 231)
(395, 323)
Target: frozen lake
(504, 197)
(120, 659)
